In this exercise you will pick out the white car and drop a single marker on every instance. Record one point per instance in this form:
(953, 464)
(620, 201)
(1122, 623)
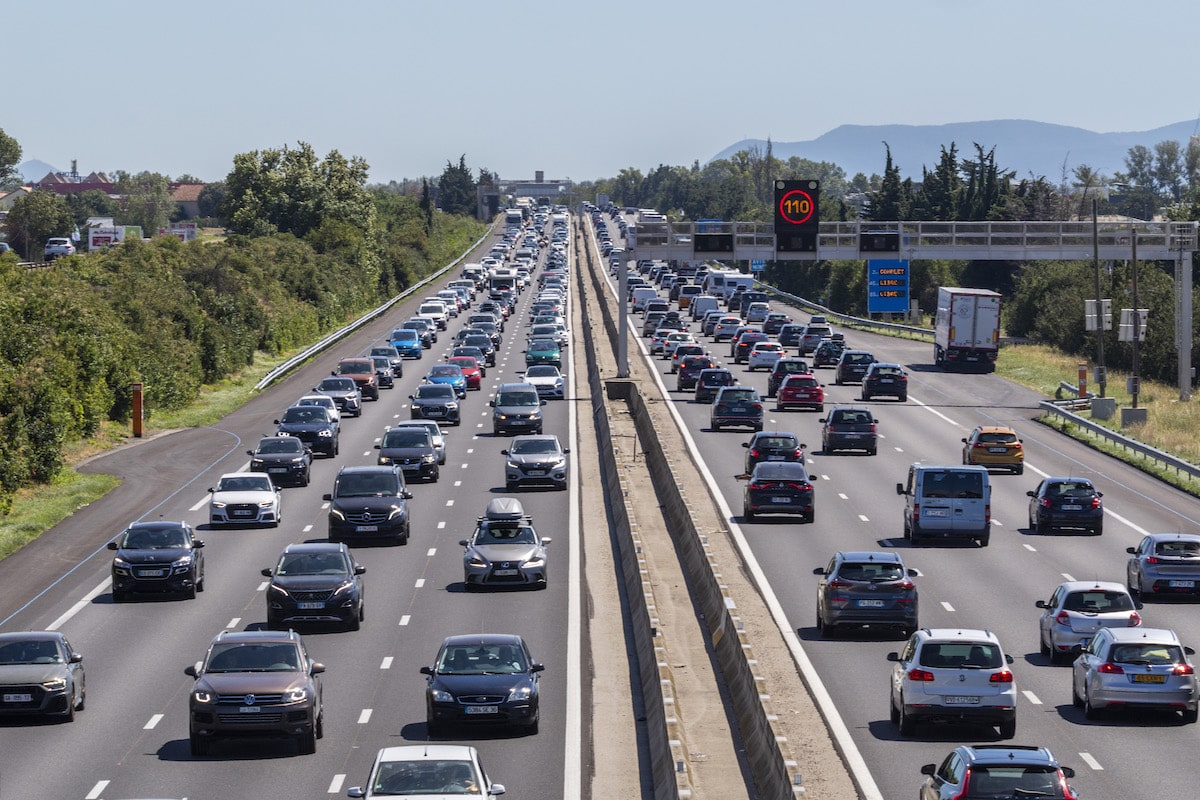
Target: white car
(672, 340)
(323, 400)
(548, 380)
(432, 771)
(58, 246)
(764, 355)
(245, 498)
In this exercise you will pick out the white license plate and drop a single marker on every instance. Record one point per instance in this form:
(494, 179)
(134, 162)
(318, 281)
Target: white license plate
(1072, 508)
(781, 499)
(250, 710)
(962, 700)
(774, 458)
(885, 380)
(153, 573)
(1182, 584)
(366, 528)
(504, 572)
(277, 469)
(537, 473)
(937, 512)
(870, 604)
(309, 606)
(18, 698)
(997, 449)
(738, 410)
(238, 513)
(481, 710)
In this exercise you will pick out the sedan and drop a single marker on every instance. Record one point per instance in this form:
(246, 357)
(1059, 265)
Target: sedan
(466, 351)
(1143, 669)
(448, 375)
(445, 770)
(315, 582)
(1066, 503)
(488, 678)
(1164, 564)
(536, 459)
(245, 498)
(159, 557)
(548, 381)
(435, 401)
(1077, 610)
(285, 458)
(40, 675)
(505, 552)
(778, 487)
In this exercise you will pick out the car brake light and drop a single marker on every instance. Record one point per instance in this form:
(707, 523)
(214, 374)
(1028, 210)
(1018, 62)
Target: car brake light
(920, 675)
(754, 453)
(1151, 559)
(1095, 502)
(980, 445)
(1109, 668)
(1003, 676)
(907, 585)
(1183, 669)
(1044, 502)
(1063, 619)
(800, 487)
(966, 786)
(1135, 619)
(797, 453)
(838, 583)
(872, 427)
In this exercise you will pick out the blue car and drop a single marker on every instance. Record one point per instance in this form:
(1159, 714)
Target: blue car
(449, 375)
(407, 341)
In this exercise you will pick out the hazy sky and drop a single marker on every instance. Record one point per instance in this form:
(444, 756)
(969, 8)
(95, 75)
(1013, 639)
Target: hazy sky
(577, 89)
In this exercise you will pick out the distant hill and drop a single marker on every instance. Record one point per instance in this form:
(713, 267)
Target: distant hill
(35, 170)
(1035, 149)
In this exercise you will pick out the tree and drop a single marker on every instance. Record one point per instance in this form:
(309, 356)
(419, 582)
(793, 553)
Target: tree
(1169, 169)
(36, 217)
(456, 189)
(210, 199)
(426, 205)
(92, 203)
(10, 157)
(892, 202)
(147, 202)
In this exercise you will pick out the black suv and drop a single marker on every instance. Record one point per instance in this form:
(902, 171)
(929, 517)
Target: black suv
(313, 425)
(256, 683)
(286, 459)
(369, 503)
(852, 366)
(994, 770)
(871, 588)
(849, 428)
(157, 557)
(315, 582)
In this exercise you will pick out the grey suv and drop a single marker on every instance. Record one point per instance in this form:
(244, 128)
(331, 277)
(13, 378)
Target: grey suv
(871, 588)
(369, 503)
(256, 683)
(536, 459)
(995, 770)
(516, 409)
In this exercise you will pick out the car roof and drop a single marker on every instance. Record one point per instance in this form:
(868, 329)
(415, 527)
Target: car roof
(38, 636)
(315, 547)
(994, 429)
(881, 556)
(1174, 537)
(367, 468)
(1008, 754)
(1149, 635)
(257, 636)
(964, 634)
(529, 437)
(762, 434)
(1081, 586)
(427, 752)
(165, 523)
(245, 475)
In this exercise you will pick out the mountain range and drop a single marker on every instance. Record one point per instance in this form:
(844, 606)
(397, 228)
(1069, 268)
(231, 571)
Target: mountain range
(1031, 149)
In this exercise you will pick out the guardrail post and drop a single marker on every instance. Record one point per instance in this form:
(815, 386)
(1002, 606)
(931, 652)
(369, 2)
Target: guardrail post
(138, 417)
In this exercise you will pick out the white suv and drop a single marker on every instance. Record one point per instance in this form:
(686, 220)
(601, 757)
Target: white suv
(953, 675)
(59, 246)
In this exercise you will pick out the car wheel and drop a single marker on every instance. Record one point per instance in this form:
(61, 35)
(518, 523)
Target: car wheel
(810, 517)
(1045, 648)
(404, 536)
(1089, 710)
(1019, 470)
(306, 743)
(893, 712)
(358, 412)
(827, 631)
(906, 724)
(1076, 700)
(903, 398)
(119, 597)
(336, 449)
(434, 729)
(304, 481)
(871, 452)
(1008, 729)
(820, 409)
(1056, 656)
(356, 622)
(747, 513)
(433, 476)
(1098, 530)
(532, 729)
(321, 726)
(190, 592)
(199, 745)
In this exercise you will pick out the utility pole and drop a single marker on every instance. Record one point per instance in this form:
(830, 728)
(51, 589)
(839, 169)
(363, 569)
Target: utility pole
(1101, 372)
(1137, 319)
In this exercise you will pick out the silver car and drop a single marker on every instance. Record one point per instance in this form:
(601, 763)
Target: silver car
(1164, 563)
(548, 380)
(536, 459)
(505, 549)
(1143, 667)
(1077, 610)
(40, 675)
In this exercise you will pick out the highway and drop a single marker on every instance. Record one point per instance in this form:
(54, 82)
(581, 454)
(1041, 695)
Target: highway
(131, 741)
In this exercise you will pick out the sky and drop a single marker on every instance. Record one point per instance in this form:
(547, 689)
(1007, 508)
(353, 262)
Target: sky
(578, 90)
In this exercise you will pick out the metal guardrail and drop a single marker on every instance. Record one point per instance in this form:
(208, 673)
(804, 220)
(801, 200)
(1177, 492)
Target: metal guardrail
(845, 319)
(341, 333)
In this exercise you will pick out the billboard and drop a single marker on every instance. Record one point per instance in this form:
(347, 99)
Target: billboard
(887, 286)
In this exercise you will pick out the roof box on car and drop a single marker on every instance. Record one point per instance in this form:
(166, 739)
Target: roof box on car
(504, 508)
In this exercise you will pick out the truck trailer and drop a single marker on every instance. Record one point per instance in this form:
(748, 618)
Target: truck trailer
(967, 332)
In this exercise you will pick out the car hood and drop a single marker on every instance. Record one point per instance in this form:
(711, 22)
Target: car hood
(308, 583)
(507, 552)
(460, 685)
(406, 452)
(446, 379)
(232, 498)
(21, 674)
(244, 683)
(335, 394)
(162, 556)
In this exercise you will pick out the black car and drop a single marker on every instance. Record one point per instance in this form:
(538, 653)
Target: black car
(783, 368)
(774, 323)
(852, 366)
(157, 558)
(710, 381)
(436, 401)
(345, 393)
(369, 504)
(313, 425)
(485, 345)
(412, 449)
(488, 678)
(778, 487)
(889, 380)
(689, 371)
(772, 446)
(315, 582)
(286, 459)
(736, 405)
(790, 333)
(1066, 503)
(849, 428)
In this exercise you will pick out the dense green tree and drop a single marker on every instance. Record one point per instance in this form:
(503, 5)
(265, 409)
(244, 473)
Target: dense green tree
(210, 199)
(92, 203)
(10, 157)
(893, 200)
(456, 188)
(36, 217)
(146, 201)
(1169, 177)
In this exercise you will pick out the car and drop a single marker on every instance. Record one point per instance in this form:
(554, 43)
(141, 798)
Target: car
(465, 351)
(425, 327)
(245, 498)
(407, 342)
(789, 334)
(385, 378)
(954, 675)
(849, 428)
(709, 321)
(1142, 669)
(889, 380)
(411, 449)
(448, 375)
(393, 356)
(782, 368)
(682, 350)
(1076, 610)
(548, 380)
(543, 351)
(489, 328)
(812, 335)
(774, 322)
(315, 582)
(852, 366)
(58, 246)
(270, 671)
(773, 446)
(369, 503)
(758, 312)
(801, 390)
(362, 371)
(1164, 564)
(739, 351)
(427, 770)
(40, 675)
(736, 405)
(472, 372)
(551, 330)
(994, 446)
(516, 409)
(710, 381)
(505, 549)
(689, 370)
(536, 459)
(725, 327)
(482, 678)
(764, 355)
(1066, 503)
(665, 345)
(315, 426)
(437, 401)
(778, 487)
(870, 588)
(993, 771)
(344, 392)
(323, 400)
(286, 459)
(435, 430)
(828, 353)
(159, 557)
(652, 322)
(485, 345)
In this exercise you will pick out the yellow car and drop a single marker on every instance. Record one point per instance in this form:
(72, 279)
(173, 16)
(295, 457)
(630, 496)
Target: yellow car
(994, 446)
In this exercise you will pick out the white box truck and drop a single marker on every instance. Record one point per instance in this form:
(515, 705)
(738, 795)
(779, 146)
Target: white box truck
(967, 332)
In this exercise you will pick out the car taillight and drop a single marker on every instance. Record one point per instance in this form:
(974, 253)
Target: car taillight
(1151, 559)
(1095, 502)
(1045, 502)
(966, 786)
(1063, 619)
(907, 586)
(838, 583)
(797, 453)
(872, 427)
(1003, 676)
(800, 487)
(1015, 445)
(980, 445)
(758, 487)
(1183, 669)
(920, 675)
(1109, 668)
(754, 453)
(1135, 619)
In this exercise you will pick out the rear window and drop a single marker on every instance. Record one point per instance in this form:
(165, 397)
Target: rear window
(870, 571)
(998, 438)
(1097, 601)
(1180, 549)
(968, 485)
(955, 655)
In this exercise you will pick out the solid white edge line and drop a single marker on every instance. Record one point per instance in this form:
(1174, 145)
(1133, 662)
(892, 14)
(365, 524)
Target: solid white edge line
(572, 746)
(80, 605)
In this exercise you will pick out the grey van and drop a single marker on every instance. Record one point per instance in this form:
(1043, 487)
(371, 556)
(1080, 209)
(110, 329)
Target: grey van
(951, 502)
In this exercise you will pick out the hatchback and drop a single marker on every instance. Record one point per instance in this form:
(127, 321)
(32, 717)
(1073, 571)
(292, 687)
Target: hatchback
(40, 674)
(448, 375)
(994, 446)
(852, 366)
(740, 350)
(772, 446)
(440, 769)
(725, 327)
(1076, 610)
(802, 390)
(736, 405)
(1146, 669)
(684, 350)
(849, 428)
(1164, 564)
(764, 355)
(774, 323)
(1065, 503)
(889, 380)
(690, 369)
(991, 771)
(871, 588)
(778, 487)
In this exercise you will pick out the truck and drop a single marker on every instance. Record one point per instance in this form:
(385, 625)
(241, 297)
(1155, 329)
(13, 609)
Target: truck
(967, 331)
(514, 217)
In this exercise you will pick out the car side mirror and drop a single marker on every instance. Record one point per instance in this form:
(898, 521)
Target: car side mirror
(75, 658)
(1067, 772)
(745, 444)
(496, 789)
(359, 569)
(819, 571)
(277, 422)
(266, 572)
(1031, 493)
(912, 573)
(249, 452)
(492, 403)
(504, 452)
(964, 441)
(900, 488)
(929, 769)
(193, 670)
(406, 494)
(412, 397)
(1188, 650)
(326, 497)
(1131, 550)
(542, 402)
(1008, 658)
(426, 670)
(537, 667)
(115, 546)
(546, 540)
(1041, 604)
(316, 668)
(743, 477)
(198, 543)
(893, 656)
(566, 451)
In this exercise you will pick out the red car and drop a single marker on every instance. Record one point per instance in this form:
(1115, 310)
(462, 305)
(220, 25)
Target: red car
(470, 370)
(802, 390)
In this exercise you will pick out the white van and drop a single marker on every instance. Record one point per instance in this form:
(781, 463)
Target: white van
(703, 303)
(947, 501)
(640, 296)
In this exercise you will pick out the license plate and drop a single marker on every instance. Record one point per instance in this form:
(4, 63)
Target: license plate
(1149, 678)
(366, 528)
(870, 604)
(738, 410)
(774, 458)
(153, 573)
(481, 710)
(277, 469)
(250, 710)
(997, 449)
(537, 473)
(309, 606)
(239, 513)
(781, 499)
(18, 698)
(505, 572)
(962, 699)
(1182, 584)
(937, 512)
(1072, 508)
(885, 380)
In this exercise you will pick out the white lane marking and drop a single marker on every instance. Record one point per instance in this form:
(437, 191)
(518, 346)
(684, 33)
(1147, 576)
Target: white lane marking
(97, 790)
(80, 605)
(1031, 697)
(367, 453)
(307, 528)
(947, 606)
(997, 523)
(233, 623)
(1029, 547)
(420, 583)
(824, 477)
(842, 496)
(262, 587)
(404, 620)
(457, 484)
(464, 466)
(386, 663)
(203, 502)
(441, 525)
(1125, 521)
(478, 424)
(335, 785)
(863, 517)
(1090, 761)
(154, 720)
(364, 716)
(431, 552)
(449, 503)
(1066, 576)
(935, 412)
(470, 450)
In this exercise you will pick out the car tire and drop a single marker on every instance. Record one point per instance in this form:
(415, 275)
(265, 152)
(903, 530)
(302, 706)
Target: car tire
(356, 623)
(983, 540)
(871, 451)
(190, 592)
(119, 597)
(903, 398)
(1190, 715)
(306, 743)
(747, 514)
(1098, 530)
(199, 745)
(306, 479)
(1076, 700)
(906, 724)
(1056, 657)
(435, 730)
(810, 517)
(1019, 470)
(1089, 710)
(827, 631)
(893, 712)
(1044, 648)
(1008, 728)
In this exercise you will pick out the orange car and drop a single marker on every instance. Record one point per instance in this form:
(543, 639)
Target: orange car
(994, 446)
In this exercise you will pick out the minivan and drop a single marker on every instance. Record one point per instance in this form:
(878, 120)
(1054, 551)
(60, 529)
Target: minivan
(640, 296)
(952, 502)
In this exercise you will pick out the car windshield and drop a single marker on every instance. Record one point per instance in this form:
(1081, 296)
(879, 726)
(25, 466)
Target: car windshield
(425, 777)
(368, 485)
(542, 371)
(447, 371)
(356, 367)
(738, 395)
(533, 446)
(305, 414)
(479, 340)
(30, 651)
(311, 564)
(961, 655)
(245, 483)
(791, 366)
(519, 397)
(404, 335)
(858, 358)
(337, 385)
(482, 659)
(407, 438)
(435, 392)
(155, 538)
(888, 371)
(246, 657)
(280, 444)
(716, 378)
(505, 533)
(870, 571)
(1098, 601)
(852, 417)
(997, 438)
(954, 484)
(384, 351)
(543, 344)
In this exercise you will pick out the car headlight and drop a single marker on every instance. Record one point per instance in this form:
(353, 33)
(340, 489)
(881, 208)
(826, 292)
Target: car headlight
(296, 695)
(202, 696)
(256, 465)
(325, 433)
(55, 684)
(275, 588)
(296, 460)
(396, 511)
(385, 459)
(120, 563)
(182, 561)
(562, 462)
(266, 503)
(513, 465)
(441, 696)
(429, 458)
(501, 416)
(337, 512)
(520, 693)
(218, 504)
(345, 587)
(535, 563)
(476, 560)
